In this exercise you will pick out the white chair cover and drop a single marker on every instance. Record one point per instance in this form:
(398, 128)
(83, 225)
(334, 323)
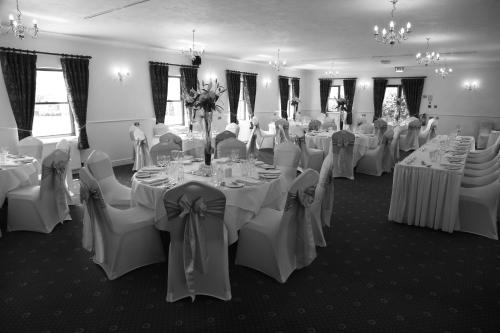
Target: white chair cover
(160, 129)
(428, 132)
(482, 166)
(391, 150)
(194, 147)
(409, 140)
(492, 138)
(491, 168)
(226, 146)
(310, 158)
(40, 208)
(122, 240)
(478, 210)
(233, 127)
(482, 156)
(284, 125)
(480, 181)
(325, 191)
(278, 242)
(281, 136)
(485, 128)
(72, 186)
(221, 137)
(287, 158)
(114, 193)
(171, 137)
(9, 139)
(372, 162)
(342, 154)
(264, 139)
(198, 257)
(380, 126)
(162, 148)
(141, 149)
(31, 146)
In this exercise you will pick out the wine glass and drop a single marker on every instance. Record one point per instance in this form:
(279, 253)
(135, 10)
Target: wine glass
(235, 155)
(160, 160)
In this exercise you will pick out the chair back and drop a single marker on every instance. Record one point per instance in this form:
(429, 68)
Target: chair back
(380, 126)
(162, 148)
(160, 129)
(173, 138)
(65, 146)
(342, 153)
(141, 149)
(287, 157)
(325, 191)
(225, 148)
(9, 139)
(31, 146)
(53, 190)
(329, 123)
(296, 225)
(233, 127)
(391, 150)
(198, 261)
(480, 181)
(194, 147)
(314, 125)
(221, 137)
(284, 125)
(485, 127)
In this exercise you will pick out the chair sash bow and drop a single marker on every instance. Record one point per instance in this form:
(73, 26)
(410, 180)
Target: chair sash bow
(305, 248)
(92, 197)
(195, 254)
(56, 173)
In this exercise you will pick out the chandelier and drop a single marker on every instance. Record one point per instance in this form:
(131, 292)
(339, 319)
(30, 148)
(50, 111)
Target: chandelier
(443, 71)
(277, 64)
(17, 26)
(332, 72)
(392, 36)
(194, 54)
(429, 57)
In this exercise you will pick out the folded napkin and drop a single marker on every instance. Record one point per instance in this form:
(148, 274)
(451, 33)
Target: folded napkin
(270, 172)
(155, 181)
(24, 159)
(151, 168)
(249, 181)
(9, 164)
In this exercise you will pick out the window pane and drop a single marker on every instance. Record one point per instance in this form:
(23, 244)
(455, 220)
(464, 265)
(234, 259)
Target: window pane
(174, 89)
(173, 114)
(241, 110)
(394, 108)
(50, 87)
(52, 119)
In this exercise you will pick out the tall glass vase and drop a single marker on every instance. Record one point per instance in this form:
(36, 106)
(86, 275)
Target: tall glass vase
(208, 137)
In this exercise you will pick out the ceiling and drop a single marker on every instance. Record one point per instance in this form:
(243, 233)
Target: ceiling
(311, 34)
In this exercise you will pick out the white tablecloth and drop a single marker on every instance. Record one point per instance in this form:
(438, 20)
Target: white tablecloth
(425, 193)
(242, 204)
(323, 141)
(14, 174)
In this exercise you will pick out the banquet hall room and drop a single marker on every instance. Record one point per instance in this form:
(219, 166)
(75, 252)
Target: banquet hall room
(249, 166)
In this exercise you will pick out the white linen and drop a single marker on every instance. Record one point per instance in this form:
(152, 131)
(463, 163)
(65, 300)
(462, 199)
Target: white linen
(14, 174)
(424, 192)
(242, 204)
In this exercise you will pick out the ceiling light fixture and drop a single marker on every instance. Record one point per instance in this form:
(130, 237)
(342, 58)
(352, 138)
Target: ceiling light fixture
(17, 26)
(443, 71)
(399, 69)
(392, 36)
(277, 64)
(332, 72)
(429, 57)
(194, 54)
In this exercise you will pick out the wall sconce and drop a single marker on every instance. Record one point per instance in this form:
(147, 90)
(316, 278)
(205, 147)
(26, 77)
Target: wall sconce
(121, 74)
(363, 85)
(266, 82)
(210, 77)
(471, 85)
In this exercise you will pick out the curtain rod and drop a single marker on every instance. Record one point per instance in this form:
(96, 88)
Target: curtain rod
(338, 78)
(401, 77)
(169, 64)
(8, 49)
(289, 77)
(244, 73)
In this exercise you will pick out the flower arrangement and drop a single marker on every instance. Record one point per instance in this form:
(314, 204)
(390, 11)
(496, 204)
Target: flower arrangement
(394, 109)
(341, 104)
(295, 101)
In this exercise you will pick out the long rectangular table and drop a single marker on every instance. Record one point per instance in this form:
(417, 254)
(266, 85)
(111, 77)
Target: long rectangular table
(425, 192)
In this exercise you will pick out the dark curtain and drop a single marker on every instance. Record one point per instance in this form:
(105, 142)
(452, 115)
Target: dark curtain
(158, 74)
(349, 90)
(284, 92)
(233, 91)
(189, 78)
(378, 96)
(324, 92)
(296, 93)
(250, 85)
(19, 74)
(412, 89)
(76, 77)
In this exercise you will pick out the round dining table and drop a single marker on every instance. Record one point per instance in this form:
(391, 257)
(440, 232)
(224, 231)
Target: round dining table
(17, 171)
(242, 203)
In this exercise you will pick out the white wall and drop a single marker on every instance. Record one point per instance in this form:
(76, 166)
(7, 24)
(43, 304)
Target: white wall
(455, 105)
(113, 105)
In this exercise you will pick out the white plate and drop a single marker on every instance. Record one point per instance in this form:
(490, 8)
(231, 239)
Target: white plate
(257, 163)
(185, 162)
(142, 175)
(269, 176)
(233, 184)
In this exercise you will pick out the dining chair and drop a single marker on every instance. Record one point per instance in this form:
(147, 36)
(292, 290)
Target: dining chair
(372, 161)
(468, 181)
(115, 194)
(198, 250)
(220, 137)
(485, 171)
(485, 155)
(391, 150)
(408, 140)
(120, 240)
(172, 138)
(194, 147)
(228, 145)
(428, 132)
(314, 125)
(325, 192)
(160, 129)
(41, 207)
(9, 139)
(380, 126)
(287, 158)
(278, 242)
(482, 166)
(478, 209)
(162, 148)
(72, 186)
(284, 125)
(485, 128)
(233, 127)
(492, 138)
(310, 158)
(141, 149)
(31, 146)
(342, 154)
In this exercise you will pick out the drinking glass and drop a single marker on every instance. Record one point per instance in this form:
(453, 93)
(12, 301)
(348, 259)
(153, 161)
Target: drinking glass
(180, 173)
(175, 154)
(244, 168)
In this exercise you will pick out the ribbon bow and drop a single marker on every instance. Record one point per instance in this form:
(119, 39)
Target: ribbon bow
(92, 197)
(195, 254)
(305, 248)
(56, 174)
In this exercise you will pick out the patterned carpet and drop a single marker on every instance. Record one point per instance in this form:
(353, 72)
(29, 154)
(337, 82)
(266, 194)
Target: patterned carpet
(374, 276)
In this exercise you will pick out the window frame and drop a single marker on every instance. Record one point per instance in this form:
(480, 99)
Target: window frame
(400, 95)
(183, 112)
(339, 95)
(242, 98)
(73, 128)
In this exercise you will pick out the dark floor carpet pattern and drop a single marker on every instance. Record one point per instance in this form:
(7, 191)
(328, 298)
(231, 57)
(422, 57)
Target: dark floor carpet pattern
(374, 276)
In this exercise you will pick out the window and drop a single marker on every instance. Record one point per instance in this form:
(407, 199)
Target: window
(174, 114)
(242, 103)
(53, 116)
(394, 104)
(336, 92)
